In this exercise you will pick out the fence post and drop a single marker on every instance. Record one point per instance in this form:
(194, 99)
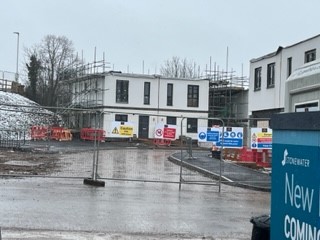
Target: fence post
(221, 154)
(181, 155)
(189, 150)
(93, 181)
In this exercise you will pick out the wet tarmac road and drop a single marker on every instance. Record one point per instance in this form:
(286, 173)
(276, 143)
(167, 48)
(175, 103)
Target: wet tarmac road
(231, 172)
(57, 208)
(129, 208)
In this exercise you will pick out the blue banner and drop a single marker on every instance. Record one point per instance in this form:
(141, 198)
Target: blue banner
(295, 198)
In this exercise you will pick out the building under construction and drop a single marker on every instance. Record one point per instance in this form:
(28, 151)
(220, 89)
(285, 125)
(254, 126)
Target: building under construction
(80, 104)
(228, 97)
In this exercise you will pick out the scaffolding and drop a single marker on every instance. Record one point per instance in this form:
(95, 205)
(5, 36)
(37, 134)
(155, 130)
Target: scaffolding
(84, 96)
(227, 95)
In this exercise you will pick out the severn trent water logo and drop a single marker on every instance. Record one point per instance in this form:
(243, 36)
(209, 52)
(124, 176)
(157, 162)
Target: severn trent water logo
(300, 162)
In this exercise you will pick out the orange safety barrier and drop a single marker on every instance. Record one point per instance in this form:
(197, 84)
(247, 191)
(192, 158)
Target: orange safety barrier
(262, 158)
(39, 133)
(60, 134)
(92, 134)
(161, 142)
(246, 155)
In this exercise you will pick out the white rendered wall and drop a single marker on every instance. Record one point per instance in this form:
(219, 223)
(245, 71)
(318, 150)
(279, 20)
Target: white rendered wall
(274, 98)
(157, 110)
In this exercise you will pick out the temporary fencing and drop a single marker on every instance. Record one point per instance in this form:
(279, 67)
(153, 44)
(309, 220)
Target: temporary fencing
(237, 152)
(195, 160)
(39, 133)
(92, 134)
(12, 139)
(181, 153)
(60, 134)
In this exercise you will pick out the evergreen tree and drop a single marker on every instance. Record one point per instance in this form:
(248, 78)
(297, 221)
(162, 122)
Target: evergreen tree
(33, 68)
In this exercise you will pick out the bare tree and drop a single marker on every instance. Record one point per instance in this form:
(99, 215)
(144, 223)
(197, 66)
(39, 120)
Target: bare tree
(178, 68)
(56, 55)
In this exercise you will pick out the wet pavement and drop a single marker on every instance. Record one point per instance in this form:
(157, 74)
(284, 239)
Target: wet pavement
(232, 173)
(65, 208)
(129, 208)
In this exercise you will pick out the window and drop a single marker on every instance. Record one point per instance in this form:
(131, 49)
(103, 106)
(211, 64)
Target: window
(192, 125)
(257, 79)
(121, 118)
(172, 120)
(169, 94)
(310, 56)
(270, 75)
(122, 91)
(307, 107)
(289, 66)
(193, 96)
(146, 99)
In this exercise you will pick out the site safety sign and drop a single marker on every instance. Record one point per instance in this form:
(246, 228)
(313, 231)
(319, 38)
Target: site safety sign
(165, 131)
(122, 129)
(232, 136)
(208, 134)
(261, 138)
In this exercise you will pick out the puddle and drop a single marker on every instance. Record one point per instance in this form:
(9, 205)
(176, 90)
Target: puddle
(22, 163)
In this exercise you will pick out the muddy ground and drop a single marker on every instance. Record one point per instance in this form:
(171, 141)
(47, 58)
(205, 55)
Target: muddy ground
(27, 163)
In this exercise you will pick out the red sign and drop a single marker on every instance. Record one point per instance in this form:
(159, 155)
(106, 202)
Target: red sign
(169, 133)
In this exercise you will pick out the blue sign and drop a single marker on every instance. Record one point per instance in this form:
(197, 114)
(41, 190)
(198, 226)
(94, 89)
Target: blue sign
(295, 198)
(263, 145)
(202, 135)
(208, 134)
(213, 136)
(232, 138)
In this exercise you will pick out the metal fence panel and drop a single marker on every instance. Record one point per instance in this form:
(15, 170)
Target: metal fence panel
(184, 159)
(148, 165)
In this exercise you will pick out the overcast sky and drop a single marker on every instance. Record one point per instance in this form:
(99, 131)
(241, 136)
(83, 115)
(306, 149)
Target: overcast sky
(133, 32)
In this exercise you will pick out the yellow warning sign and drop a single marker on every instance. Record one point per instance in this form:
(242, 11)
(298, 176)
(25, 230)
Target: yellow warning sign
(264, 135)
(115, 131)
(121, 129)
(126, 130)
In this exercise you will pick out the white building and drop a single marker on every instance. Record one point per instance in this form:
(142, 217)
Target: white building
(303, 88)
(143, 101)
(268, 75)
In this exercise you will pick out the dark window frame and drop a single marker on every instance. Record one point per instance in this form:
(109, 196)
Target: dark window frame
(289, 66)
(307, 107)
(271, 75)
(169, 94)
(146, 93)
(310, 55)
(257, 78)
(193, 96)
(172, 120)
(121, 118)
(122, 91)
(192, 125)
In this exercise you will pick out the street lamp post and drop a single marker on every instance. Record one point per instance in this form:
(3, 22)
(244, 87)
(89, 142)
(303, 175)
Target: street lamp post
(17, 70)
